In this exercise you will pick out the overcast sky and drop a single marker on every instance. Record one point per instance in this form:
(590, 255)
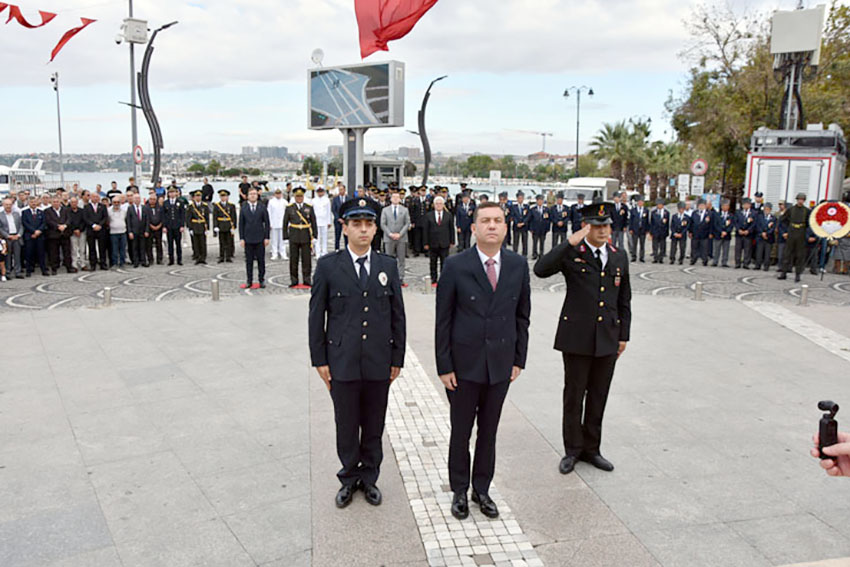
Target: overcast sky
(234, 73)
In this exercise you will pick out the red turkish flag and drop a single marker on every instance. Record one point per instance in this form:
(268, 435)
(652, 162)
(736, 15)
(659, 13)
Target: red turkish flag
(15, 14)
(381, 21)
(68, 35)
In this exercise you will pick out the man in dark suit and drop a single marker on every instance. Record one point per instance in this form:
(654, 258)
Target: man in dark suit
(336, 204)
(520, 215)
(701, 227)
(659, 230)
(137, 231)
(254, 232)
(483, 306)
(32, 218)
(593, 329)
(538, 223)
(419, 206)
(56, 219)
(465, 212)
(96, 218)
(575, 212)
(559, 214)
(724, 225)
(638, 227)
(745, 230)
(156, 216)
(680, 227)
(620, 220)
(175, 218)
(357, 341)
(439, 236)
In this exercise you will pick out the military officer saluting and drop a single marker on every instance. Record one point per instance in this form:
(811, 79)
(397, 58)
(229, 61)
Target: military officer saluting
(198, 220)
(299, 227)
(357, 343)
(593, 329)
(224, 223)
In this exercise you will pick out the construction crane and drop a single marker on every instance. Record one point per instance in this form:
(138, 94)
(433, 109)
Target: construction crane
(543, 134)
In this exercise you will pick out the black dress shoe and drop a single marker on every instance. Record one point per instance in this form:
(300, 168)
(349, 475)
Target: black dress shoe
(782, 276)
(262, 285)
(19, 276)
(460, 506)
(371, 492)
(597, 461)
(345, 495)
(171, 262)
(220, 260)
(486, 504)
(567, 464)
(179, 262)
(230, 260)
(797, 278)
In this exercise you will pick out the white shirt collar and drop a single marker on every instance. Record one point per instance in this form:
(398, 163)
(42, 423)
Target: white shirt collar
(484, 257)
(355, 257)
(603, 251)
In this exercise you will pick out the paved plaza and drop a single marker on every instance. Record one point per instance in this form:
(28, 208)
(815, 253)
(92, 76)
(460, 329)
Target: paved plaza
(170, 430)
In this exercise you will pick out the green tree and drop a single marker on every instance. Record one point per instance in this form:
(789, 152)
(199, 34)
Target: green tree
(196, 169)
(479, 166)
(335, 166)
(311, 166)
(213, 167)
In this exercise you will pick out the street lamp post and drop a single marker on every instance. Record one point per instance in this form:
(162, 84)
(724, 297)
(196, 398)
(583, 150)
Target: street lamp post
(577, 91)
(54, 78)
(134, 126)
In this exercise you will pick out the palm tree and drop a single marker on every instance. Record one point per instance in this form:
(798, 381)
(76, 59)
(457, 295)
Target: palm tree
(610, 145)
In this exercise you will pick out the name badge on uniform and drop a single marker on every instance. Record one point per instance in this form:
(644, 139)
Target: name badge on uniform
(617, 281)
(382, 277)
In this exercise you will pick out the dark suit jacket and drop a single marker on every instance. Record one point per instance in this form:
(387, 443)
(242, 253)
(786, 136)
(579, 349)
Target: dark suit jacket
(659, 223)
(156, 215)
(638, 223)
(621, 218)
(338, 310)
(254, 227)
(136, 225)
(702, 228)
(32, 221)
(52, 220)
(174, 216)
(597, 312)
(481, 334)
(439, 235)
(100, 218)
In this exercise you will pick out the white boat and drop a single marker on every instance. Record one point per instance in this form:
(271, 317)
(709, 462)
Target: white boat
(28, 174)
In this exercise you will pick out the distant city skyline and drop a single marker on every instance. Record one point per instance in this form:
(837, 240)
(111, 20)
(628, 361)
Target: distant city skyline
(508, 66)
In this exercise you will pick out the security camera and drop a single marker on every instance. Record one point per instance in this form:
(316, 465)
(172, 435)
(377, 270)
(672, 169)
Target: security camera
(119, 39)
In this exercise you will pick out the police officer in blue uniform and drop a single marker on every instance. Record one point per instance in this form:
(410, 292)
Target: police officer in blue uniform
(680, 226)
(539, 225)
(593, 330)
(520, 216)
(357, 343)
(559, 214)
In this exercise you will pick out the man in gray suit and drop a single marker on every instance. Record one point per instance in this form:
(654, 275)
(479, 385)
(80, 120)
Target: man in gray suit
(395, 222)
(12, 231)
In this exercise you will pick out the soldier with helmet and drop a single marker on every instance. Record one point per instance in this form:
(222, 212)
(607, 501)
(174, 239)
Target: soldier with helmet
(796, 218)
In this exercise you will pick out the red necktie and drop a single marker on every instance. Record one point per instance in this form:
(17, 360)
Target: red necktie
(439, 219)
(491, 272)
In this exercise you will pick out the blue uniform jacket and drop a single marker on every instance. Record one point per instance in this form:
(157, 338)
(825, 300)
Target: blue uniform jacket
(620, 222)
(702, 223)
(562, 216)
(465, 217)
(766, 228)
(359, 333)
(722, 225)
(540, 220)
(520, 214)
(639, 223)
(745, 223)
(680, 226)
(32, 222)
(659, 223)
(576, 217)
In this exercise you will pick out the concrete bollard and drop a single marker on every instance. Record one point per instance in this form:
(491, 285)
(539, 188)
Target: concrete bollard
(107, 296)
(698, 291)
(215, 290)
(804, 296)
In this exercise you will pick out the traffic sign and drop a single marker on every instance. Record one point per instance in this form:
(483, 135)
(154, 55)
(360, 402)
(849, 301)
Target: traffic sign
(698, 185)
(138, 154)
(699, 167)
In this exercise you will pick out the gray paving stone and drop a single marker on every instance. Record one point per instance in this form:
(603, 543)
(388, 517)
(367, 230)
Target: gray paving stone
(792, 539)
(274, 530)
(302, 559)
(105, 557)
(117, 433)
(710, 545)
(53, 534)
(252, 487)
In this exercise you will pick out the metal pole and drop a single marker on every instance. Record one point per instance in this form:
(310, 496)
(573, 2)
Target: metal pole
(578, 111)
(133, 105)
(698, 291)
(215, 290)
(107, 296)
(804, 296)
(790, 97)
(59, 122)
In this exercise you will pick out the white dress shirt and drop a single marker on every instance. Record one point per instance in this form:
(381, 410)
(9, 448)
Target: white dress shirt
(355, 257)
(498, 258)
(603, 252)
(10, 220)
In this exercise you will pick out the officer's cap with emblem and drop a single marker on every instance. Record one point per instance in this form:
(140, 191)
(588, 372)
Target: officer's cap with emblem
(538, 198)
(196, 192)
(320, 188)
(725, 202)
(360, 209)
(402, 191)
(560, 195)
(746, 201)
(759, 194)
(580, 196)
(680, 205)
(597, 214)
(223, 192)
(464, 184)
(299, 191)
(801, 196)
(701, 201)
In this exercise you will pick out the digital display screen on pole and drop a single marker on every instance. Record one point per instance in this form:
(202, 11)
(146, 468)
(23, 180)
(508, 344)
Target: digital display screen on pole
(357, 96)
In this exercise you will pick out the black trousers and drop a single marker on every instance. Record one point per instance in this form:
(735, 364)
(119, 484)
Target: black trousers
(587, 380)
(54, 246)
(300, 251)
(175, 240)
(154, 242)
(464, 239)
(137, 248)
(338, 234)
(98, 244)
(538, 241)
(360, 409)
(699, 250)
(637, 241)
(743, 250)
(659, 249)
(199, 246)
(558, 237)
(763, 248)
(681, 244)
(469, 400)
(255, 252)
(794, 254)
(226, 247)
(521, 234)
(417, 234)
(437, 254)
(34, 253)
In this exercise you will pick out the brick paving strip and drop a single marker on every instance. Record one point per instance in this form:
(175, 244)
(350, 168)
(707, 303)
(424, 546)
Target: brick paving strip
(418, 428)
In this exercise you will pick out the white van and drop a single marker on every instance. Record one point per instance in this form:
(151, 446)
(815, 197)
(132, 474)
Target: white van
(591, 188)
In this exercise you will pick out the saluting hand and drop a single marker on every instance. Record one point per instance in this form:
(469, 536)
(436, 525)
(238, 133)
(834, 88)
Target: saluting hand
(577, 237)
(394, 372)
(449, 381)
(325, 374)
